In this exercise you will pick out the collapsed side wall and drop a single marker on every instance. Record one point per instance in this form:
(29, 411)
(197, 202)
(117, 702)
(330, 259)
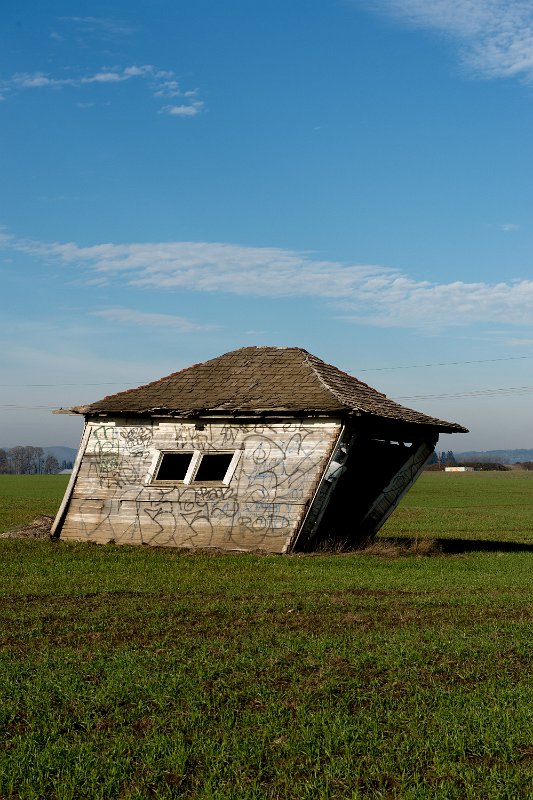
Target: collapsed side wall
(377, 474)
(279, 467)
(400, 483)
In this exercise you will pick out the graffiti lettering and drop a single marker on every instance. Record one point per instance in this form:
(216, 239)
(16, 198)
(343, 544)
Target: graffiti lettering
(279, 467)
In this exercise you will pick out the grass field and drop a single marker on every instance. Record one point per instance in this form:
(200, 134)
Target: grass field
(479, 506)
(23, 497)
(142, 673)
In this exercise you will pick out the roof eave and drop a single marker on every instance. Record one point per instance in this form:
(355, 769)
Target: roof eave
(203, 412)
(73, 411)
(441, 426)
(429, 424)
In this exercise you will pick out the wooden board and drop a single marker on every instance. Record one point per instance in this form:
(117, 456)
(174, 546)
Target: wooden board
(115, 498)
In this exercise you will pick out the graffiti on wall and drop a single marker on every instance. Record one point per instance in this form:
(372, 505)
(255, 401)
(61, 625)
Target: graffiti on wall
(276, 473)
(117, 454)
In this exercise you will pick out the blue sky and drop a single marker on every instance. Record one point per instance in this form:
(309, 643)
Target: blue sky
(184, 177)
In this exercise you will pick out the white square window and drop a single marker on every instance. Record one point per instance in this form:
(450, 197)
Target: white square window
(177, 466)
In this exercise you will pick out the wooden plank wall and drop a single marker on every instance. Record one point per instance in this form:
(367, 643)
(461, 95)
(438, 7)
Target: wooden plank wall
(260, 509)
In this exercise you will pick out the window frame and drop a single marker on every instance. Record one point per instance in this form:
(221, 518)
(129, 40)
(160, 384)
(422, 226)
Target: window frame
(235, 454)
(192, 469)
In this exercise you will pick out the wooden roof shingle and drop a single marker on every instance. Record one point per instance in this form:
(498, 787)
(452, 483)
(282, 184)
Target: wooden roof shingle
(261, 380)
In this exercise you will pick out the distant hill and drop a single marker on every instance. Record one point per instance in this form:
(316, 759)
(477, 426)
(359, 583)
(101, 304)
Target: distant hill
(61, 453)
(496, 456)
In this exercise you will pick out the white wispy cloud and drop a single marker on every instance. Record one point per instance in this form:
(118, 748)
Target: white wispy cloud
(105, 25)
(404, 302)
(360, 293)
(495, 37)
(40, 80)
(162, 83)
(205, 266)
(130, 316)
(169, 87)
(184, 110)
(509, 227)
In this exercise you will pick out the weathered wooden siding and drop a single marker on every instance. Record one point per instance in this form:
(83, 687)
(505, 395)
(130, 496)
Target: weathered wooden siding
(261, 508)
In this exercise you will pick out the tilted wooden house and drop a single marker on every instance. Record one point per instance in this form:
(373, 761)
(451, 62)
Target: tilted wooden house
(263, 448)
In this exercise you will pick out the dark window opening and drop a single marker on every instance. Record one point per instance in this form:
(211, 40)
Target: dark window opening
(173, 466)
(213, 466)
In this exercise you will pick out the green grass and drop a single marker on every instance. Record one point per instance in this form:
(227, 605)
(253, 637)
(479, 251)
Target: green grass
(474, 506)
(142, 673)
(23, 497)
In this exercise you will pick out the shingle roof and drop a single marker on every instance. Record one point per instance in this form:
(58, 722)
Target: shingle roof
(261, 380)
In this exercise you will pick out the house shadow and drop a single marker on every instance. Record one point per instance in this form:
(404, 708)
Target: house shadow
(454, 546)
(435, 546)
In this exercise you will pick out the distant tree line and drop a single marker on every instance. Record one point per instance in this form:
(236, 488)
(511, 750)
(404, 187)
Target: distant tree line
(485, 466)
(439, 462)
(28, 460)
(443, 459)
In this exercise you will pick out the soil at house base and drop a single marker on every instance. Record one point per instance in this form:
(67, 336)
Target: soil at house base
(38, 528)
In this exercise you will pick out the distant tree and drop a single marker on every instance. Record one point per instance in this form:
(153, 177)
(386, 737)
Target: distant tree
(26, 460)
(4, 462)
(35, 458)
(450, 459)
(51, 465)
(19, 460)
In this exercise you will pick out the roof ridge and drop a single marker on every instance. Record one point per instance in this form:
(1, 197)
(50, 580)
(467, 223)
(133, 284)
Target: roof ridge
(260, 347)
(339, 395)
(309, 359)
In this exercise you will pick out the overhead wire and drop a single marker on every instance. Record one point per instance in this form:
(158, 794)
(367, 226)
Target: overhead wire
(500, 392)
(368, 369)
(490, 392)
(53, 385)
(446, 363)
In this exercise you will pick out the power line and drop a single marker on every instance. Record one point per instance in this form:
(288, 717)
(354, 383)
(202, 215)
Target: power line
(494, 392)
(13, 407)
(53, 385)
(369, 369)
(473, 393)
(446, 363)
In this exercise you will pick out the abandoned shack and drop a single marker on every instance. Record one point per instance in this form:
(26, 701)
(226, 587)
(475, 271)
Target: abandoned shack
(263, 448)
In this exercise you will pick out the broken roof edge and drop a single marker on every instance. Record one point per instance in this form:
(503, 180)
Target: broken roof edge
(218, 413)
(342, 413)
